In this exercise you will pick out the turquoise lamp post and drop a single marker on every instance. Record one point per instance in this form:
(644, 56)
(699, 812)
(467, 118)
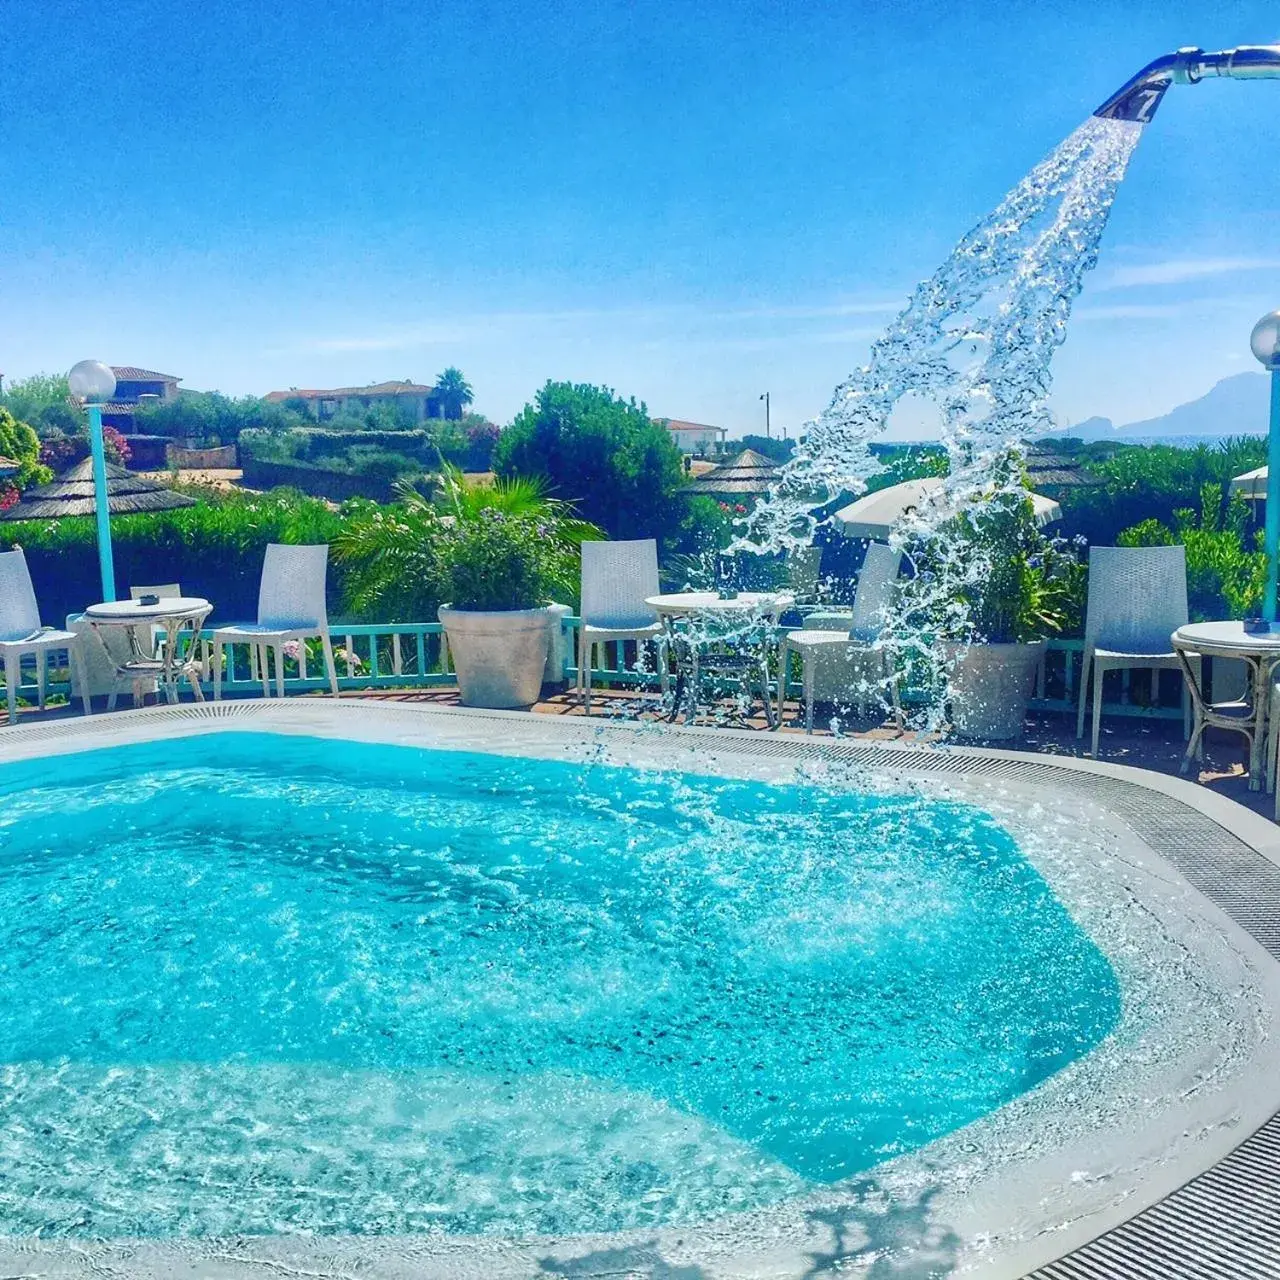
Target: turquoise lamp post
(92, 384)
(1265, 342)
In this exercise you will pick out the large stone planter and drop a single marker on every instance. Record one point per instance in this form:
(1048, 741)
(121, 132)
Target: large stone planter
(990, 687)
(499, 658)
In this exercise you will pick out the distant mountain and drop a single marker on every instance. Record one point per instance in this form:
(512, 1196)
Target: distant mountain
(1237, 406)
(1092, 429)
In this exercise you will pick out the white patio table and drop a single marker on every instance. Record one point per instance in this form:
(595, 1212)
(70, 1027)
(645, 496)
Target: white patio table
(165, 666)
(723, 614)
(1260, 652)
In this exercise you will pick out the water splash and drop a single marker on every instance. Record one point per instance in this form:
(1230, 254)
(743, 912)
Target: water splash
(977, 339)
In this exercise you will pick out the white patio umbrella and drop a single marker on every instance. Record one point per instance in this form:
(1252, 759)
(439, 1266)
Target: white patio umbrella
(1252, 486)
(874, 514)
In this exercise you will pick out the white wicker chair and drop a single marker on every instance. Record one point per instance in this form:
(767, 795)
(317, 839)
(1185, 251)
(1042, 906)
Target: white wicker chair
(617, 577)
(21, 633)
(876, 584)
(804, 573)
(291, 606)
(1137, 600)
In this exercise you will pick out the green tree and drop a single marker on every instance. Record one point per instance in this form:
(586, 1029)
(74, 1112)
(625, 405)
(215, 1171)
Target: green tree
(43, 402)
(454, 392)
(210, 416)
(19, 441)
(604, 454)
(770, 446)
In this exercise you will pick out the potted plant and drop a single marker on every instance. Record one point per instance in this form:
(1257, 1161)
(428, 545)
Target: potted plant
(989, 587)
(501, 574)
(489, 559)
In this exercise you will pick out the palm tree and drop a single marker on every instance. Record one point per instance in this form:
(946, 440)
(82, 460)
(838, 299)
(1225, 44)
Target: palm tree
(454, 392)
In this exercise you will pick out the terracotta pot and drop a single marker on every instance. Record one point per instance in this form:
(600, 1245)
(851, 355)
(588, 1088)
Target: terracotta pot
(499, 657)
(991, 685)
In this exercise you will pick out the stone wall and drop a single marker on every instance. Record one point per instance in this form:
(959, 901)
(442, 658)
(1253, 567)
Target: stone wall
(202, 459)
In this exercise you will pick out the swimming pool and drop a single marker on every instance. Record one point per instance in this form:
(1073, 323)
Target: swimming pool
(269, 982)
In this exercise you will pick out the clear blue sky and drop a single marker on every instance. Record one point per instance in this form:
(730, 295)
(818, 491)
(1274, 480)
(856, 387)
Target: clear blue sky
(691, 202)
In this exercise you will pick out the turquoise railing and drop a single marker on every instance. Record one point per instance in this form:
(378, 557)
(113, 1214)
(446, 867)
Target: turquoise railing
(1057, 682)
(413, 655)
(409, 655)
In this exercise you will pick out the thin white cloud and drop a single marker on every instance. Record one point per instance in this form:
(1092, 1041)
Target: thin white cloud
(1128, 311)
(1183, 270)
(802, 312)
(470, 328)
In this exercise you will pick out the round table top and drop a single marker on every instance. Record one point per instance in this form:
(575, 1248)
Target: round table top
(127, 611)
(1225, 635)
(710, 602)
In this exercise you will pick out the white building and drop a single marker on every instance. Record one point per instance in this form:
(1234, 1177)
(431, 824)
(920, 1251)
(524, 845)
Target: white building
(695, 437)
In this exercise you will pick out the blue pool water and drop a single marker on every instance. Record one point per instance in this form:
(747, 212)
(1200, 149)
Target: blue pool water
(255, 983)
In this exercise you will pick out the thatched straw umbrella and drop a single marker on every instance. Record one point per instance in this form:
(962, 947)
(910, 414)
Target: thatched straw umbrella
(71, 494)
(748, 475)
(1051, 473)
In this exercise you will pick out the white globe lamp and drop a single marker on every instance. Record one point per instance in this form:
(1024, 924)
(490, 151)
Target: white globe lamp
(91, 382)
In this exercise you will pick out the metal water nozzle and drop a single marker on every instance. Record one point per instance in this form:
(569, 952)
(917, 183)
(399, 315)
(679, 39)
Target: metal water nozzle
(1139, 98)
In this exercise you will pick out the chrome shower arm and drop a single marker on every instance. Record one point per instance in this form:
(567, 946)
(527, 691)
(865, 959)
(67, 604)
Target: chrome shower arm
(1138, 99)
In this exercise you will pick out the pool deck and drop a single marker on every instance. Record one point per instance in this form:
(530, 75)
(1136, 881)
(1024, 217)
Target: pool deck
(1152, 744)
(1223, 1224)
(1157, 745)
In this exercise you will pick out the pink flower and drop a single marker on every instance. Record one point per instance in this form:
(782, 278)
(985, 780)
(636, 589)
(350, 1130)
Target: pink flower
(291, 649)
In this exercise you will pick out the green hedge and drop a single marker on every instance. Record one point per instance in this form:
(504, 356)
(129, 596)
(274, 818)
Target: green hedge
(213, 549)
(318, 446)
(1152, 482)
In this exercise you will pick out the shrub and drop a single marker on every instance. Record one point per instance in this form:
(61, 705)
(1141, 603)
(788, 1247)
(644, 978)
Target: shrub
(467, 443)
(481, 440)
(59, 451)
(1225, 573)
(1151, 482)
(500, 562)
(115, 447)
(604, 454)
(988, 574)
(383, 454)
(209, 416)
(19, 442)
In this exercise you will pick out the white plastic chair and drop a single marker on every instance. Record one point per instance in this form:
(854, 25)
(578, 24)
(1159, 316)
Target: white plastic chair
(617, 577)
(1137, 600)
(21, 633)
(876, 584)
(291, 606)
